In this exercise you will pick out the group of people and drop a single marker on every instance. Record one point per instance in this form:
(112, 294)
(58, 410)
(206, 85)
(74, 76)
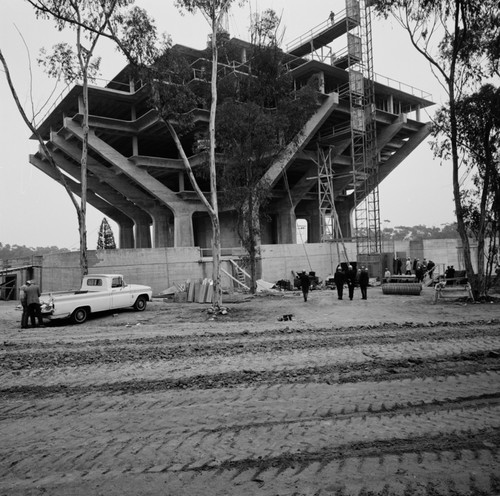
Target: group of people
(351, 277)
(29, 295)
(417, 268)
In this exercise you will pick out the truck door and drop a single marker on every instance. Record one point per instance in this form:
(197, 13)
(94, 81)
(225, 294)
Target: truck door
(120, 294)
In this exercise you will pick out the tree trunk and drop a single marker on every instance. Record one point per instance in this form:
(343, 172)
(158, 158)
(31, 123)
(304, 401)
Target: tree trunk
(216, 240)
(462, 231)
(83, 163)
(42, 143)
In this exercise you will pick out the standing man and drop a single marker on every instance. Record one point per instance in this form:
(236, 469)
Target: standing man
(304, 284)
(33, 301)
(22, 298)
(363, 282)
(351, 280)
(339, 279)
(430, 268)
(408, 267)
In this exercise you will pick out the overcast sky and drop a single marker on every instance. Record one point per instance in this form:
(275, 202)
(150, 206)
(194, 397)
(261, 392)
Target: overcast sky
(36, 211)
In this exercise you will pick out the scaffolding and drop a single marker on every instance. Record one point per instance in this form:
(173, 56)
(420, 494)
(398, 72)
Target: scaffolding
(367, 231)
(329, 221)
(357, 59)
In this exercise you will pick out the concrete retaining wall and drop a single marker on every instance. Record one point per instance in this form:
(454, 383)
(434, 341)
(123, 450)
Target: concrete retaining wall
(278, 261)
(161, 268)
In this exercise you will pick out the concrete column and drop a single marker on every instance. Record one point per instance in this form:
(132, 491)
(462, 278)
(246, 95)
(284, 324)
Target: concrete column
(142, 235)
(162, 232)
(183, 228)
(287, 228)
(135, 139)
(321, 81)
(313, 226)
(126, 236)
(390, 104)
(344, 210)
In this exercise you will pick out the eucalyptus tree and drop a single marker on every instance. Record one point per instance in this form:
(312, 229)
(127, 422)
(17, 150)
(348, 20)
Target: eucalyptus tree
(74, 63)
(479, 148)
(30, 122)
(214, 11)
(460, 40)
(260, 113)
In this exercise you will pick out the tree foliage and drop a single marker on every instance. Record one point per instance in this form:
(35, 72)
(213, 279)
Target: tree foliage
(420, 231)
(259, 115)
(9, 252)
(460, 40)
(478, 146)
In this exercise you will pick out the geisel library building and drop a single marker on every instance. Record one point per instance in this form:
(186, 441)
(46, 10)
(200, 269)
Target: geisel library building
(363, 128)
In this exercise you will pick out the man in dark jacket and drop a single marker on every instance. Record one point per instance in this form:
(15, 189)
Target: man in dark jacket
(363, 282)
(351, 280)
(430, 268)
(339, 280)
(305, 283)
(24, 304)
(33, 301)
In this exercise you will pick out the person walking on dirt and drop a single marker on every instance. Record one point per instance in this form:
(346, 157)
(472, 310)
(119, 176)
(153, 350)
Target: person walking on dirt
(24, 304)
(363, 282)
(305, 283)
(33, 301)
(351, 280)
(339, 280)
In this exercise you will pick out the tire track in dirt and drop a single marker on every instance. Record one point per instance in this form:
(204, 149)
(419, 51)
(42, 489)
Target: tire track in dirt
(33, 354)
(325, 412)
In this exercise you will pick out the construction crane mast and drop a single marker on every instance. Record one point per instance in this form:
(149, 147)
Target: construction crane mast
(363, 129)
(354, 55)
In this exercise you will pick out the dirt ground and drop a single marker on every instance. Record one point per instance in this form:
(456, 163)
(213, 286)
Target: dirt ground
(393, 395)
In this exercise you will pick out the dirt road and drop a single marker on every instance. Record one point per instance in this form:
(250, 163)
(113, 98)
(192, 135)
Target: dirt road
(389, 396)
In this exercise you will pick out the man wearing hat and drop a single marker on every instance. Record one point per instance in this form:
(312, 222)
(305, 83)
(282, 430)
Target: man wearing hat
(33, 302)
(24, 304)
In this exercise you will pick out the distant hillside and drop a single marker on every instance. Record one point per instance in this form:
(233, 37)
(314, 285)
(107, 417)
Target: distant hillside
(447, 231)
(16, 251)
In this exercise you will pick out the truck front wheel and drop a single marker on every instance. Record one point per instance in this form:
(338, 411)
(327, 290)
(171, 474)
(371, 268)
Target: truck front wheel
(140, 304)
(79, 316)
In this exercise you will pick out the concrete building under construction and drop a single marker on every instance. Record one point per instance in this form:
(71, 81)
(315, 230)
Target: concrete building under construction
(364, 127)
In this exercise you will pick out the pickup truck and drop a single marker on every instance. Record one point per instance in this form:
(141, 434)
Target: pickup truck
(99, 292)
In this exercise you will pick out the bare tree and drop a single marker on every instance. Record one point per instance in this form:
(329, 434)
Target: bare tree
(213, 10)
(89, 20)
(31, 125)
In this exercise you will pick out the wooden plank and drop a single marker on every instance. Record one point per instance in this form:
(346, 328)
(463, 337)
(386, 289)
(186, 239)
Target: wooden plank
(210, 292)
